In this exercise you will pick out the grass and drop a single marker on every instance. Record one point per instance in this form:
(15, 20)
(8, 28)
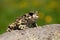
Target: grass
(10, 10)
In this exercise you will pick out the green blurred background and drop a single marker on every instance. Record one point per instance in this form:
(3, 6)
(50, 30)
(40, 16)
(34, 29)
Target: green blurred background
(49, 11)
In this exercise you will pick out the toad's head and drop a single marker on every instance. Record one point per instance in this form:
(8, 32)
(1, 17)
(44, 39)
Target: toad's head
(33, 15)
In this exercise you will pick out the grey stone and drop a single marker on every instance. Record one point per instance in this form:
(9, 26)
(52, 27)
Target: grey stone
(46, 32)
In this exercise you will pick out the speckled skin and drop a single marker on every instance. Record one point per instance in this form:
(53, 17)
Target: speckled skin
(26, 21)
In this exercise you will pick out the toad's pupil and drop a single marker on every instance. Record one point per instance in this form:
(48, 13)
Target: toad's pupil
(30, 14)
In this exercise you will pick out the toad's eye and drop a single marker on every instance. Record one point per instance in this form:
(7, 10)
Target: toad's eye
(30, 14)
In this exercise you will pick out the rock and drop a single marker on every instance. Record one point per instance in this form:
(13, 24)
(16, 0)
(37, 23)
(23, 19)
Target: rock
(46, 32)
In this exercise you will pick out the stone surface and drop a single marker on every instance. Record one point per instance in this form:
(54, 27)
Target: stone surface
(46, 32)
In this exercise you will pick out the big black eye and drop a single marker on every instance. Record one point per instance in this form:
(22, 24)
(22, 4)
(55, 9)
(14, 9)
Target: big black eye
(30, 14)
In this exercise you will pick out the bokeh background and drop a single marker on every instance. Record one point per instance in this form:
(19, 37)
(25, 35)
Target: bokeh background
(49, 11)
